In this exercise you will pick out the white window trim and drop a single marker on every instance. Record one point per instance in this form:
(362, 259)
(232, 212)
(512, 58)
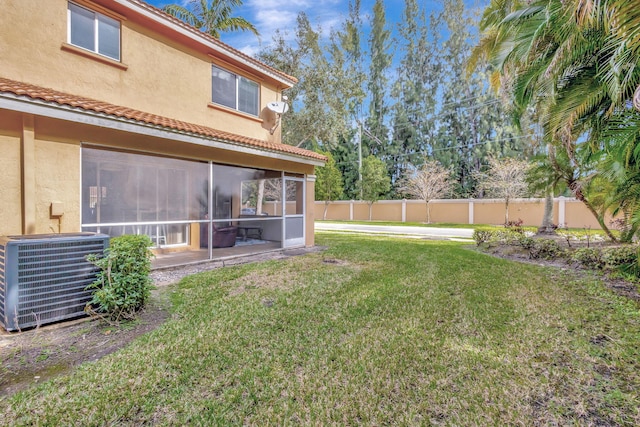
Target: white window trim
(96, 41)
(237, 91)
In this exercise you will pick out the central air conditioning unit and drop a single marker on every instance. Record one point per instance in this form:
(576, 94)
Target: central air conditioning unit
(43, 277)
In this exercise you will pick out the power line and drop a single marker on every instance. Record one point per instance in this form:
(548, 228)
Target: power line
(464, 107)
(515, 137)
(502, 139)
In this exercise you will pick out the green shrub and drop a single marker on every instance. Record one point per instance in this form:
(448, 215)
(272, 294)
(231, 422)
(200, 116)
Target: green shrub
(526, 242)
(623, 258)
(619, 255)
(504, 236)
(589, 257)
(123, 285)
(545, 249)
(482, 236)
(513, 237)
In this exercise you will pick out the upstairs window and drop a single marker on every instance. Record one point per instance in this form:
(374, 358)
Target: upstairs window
(94, 31)
(234, 91)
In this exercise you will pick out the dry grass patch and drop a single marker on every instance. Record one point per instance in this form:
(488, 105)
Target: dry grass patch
(293, 274)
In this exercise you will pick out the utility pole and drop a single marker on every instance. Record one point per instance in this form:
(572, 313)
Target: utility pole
(360, 156)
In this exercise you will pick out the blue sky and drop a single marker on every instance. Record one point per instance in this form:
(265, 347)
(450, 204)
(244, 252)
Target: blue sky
(271, 15)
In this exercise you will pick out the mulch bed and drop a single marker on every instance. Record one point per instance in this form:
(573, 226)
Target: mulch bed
(621, 286)
(36, 355)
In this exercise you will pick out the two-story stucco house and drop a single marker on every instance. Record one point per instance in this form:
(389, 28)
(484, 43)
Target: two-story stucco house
(118, 118)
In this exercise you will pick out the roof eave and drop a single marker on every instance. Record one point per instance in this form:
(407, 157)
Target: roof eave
(53, 110)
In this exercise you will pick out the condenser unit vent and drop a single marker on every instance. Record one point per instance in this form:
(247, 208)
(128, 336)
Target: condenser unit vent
(43, 278)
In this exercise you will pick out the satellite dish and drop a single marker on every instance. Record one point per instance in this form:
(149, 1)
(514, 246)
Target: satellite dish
(278, 107)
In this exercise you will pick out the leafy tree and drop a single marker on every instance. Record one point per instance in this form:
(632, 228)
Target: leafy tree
(616, 186)
(375, 181)
(212, 17)
(505, 179)
(430, 181)
(321, 102)
(328, 183)
(575, 171)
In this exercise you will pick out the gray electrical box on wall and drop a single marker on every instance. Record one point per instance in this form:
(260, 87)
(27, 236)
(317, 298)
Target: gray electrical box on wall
(43, 278)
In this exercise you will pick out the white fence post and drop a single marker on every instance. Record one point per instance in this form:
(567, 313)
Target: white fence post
(562, 211)
(470, 211)
(404, 210)
(351, 210)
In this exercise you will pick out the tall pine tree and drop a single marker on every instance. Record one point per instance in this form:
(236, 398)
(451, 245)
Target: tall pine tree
(472, 123)
(346, 54)
(415, 90)
(376, 135)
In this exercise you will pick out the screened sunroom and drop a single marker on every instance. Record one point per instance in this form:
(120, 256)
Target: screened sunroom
(191, 210)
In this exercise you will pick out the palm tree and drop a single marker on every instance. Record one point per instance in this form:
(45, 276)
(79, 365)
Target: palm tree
(211, 17)
(548, 176)
(625, 19)
(491, 38)
(577, 63)
(620, 167)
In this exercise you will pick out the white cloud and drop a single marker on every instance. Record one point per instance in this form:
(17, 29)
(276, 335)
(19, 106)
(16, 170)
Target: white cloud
(272, 15)
(250, 49)
(270, 20)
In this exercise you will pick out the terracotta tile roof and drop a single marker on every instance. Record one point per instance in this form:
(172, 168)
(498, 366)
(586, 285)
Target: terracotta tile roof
(87, 104)
(213, 40)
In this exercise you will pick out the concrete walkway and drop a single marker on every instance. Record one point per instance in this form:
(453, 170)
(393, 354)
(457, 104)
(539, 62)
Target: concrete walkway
(399, 230)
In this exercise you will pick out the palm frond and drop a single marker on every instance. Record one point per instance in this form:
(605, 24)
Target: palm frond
(182, 14)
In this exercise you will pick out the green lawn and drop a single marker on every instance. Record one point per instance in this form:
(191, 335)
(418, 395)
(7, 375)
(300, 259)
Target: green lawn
(374, 331)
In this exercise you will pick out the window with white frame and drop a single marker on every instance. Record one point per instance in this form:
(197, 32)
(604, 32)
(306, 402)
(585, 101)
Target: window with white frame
(234, 91)
(93, 31)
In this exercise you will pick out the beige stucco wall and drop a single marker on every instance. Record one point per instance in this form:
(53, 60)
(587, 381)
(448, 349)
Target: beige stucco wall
(338, 210)
(485, 211)
(162, 77)
(361, 211)
(57, 176)
(528, 212)
(417, 211)
(309, 208)
(488, 213)
(578, 216)
(48, 171)
(449, 211)
(10, 195)
(384, 209)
